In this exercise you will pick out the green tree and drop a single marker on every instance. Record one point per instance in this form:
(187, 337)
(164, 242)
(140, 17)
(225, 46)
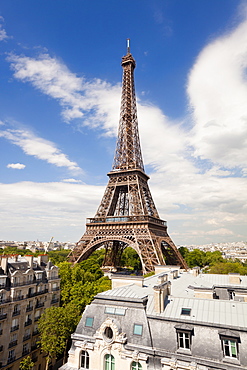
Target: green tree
(227, 267)
(195, 258)
(26, 363)
(55, 326)
(184, 251)
(130, 258)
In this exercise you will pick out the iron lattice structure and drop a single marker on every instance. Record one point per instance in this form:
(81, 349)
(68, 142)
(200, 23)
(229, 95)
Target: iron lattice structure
(127, 215)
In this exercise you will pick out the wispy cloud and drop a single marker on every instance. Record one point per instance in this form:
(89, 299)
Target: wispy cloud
(39, 148)
(17, 166)
(3, 33)
(75, 95)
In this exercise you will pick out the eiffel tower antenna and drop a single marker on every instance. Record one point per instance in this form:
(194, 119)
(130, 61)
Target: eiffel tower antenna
(127, 215)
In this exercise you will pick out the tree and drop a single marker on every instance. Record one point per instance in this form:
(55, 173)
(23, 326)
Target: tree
(26, 363)
(195, 258)
(55, 326)
(130, 258)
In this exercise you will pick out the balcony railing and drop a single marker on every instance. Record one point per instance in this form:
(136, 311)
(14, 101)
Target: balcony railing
(26, 337)
(16, 313)
(21, 283)
(40, 304)
(25, 352)
(13, 343)
(11, 359)
(55, 289)
(34, 347)
(36, 331)
(6, 300)
(18, 298)
(1, 348)
(1, 331)
(2, 285)
(29, 308)
(3, 316)
(119, 219)
(54, 300)
(37, 318)
(14, 328)
(28, 322)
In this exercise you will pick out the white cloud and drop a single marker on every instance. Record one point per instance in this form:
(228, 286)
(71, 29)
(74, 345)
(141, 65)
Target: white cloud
(72, 180)
(201, 199)
(17, 166)
(76, 96)
(47, 209)
(217, 89)
(39, 148)
(3, 33)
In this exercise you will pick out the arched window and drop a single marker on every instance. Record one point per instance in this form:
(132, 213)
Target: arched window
(109, 362)
(136, 366)
(84, 360)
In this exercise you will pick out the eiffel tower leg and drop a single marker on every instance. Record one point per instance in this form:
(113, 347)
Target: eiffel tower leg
(172, 255)
(113, 253)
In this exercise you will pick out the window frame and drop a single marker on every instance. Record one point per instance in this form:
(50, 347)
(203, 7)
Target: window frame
(91, 319)
(136, 326)
(135, 365)
(109, 365)
(224, 345)
(181, 335)
(84, 360)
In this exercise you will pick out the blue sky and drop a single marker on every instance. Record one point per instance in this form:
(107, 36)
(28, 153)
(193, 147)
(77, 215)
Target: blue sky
(60, 95)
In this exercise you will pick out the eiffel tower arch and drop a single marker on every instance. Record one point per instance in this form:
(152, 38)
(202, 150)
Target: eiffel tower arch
(127, 215)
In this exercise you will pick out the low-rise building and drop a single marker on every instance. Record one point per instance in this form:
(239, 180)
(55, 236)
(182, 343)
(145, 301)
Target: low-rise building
(172, 320)
(28, 286)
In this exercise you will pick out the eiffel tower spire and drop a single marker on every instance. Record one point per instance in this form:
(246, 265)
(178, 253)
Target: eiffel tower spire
(128, 151)
(127, 215)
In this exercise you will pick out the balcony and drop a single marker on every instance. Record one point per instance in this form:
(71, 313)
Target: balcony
(37, 318)
(29, 308)
(28, 322)
(34, 347)
(1, 348)
(1, 331)
(16, 313)
(11, 359)
(26, 337)
(22, 283)
(18, 298)
(2, 286)
(42, 292)
(36, 331)
(55, 300)
(3, 316)
(13, 343)
(55, 289)
(6, 300)
(25, 352)
(14, 328)
(120, 219)
(40, 304)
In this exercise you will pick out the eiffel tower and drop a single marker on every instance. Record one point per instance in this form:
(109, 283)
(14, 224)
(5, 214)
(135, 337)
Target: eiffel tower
(127, 215)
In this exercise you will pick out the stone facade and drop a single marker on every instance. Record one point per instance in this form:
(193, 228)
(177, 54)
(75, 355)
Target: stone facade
(28, 286)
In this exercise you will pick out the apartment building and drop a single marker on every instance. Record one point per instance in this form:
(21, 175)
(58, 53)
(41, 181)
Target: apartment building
(174, 320)
(28, 286)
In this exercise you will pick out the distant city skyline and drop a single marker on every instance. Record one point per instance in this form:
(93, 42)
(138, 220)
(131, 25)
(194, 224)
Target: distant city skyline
(60, 100)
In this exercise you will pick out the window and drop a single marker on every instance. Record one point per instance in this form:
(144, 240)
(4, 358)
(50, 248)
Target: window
(136, 366)
(109, 362)
(137, 329)
(115, 311)
(89, 321)
(84, 360)
(186, 311)
(230, 348)
(184, 339)
(108, 334)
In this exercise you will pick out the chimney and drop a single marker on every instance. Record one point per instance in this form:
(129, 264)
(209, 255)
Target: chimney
(122, 280)
(42, 258)
(160, 293)
(234, 278)
(29, 259)
(4, 263)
